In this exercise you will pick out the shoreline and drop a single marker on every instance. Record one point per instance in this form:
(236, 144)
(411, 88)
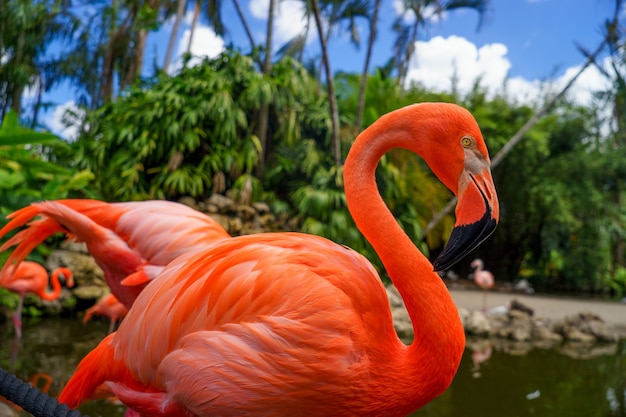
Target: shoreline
(552, 307)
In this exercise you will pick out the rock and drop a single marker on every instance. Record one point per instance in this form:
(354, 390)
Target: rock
(267, 221)
(90, 292)
(543, 333)
(521, 326)
(261, 207)
(464, 314)
(83, 267)
(72, 246)
(235, 226)
(585, 327)
(245, 213)
(189, 201)
(477, 324)
(516, 305)
(401, 320)
(221, 219)
(222, 203)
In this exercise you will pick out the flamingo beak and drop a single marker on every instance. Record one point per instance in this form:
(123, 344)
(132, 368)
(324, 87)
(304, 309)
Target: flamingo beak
(477, 214)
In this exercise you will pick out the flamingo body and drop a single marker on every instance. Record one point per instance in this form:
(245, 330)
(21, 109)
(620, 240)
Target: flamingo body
(110, 307)
(288, 324)
(131, 241)
(31, 277)
(483, 278)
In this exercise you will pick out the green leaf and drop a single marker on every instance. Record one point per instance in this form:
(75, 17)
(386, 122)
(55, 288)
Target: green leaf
(11, 134)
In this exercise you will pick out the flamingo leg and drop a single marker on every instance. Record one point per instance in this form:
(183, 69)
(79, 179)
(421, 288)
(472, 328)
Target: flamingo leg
(17, 318)
(111, 326)
(484, 300)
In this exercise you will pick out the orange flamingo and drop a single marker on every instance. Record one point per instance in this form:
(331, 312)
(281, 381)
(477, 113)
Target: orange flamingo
(131, 241)
(296, 325)
(483, 278)
(108, 306)
(30, 277)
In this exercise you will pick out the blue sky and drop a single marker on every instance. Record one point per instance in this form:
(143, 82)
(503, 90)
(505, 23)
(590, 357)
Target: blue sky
(522, 41)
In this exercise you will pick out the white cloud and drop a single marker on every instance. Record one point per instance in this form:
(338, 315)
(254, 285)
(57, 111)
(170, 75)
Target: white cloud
(440, 60)
(590, 81)
(205, 43)
(55, 121)
(289, 20)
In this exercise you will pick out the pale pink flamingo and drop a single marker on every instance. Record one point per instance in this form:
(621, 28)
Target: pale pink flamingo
(483, 278)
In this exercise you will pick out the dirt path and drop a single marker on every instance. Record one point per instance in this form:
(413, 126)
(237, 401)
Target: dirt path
(551, 307)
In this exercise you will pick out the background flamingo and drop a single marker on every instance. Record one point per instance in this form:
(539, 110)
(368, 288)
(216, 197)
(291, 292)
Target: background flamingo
(294, 324)
(30, 277)
(130, 241)
(484, 279)
(109, 306)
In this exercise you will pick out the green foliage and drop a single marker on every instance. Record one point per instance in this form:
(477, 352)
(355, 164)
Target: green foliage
(617, 283)
(26, 172)
(172, 136)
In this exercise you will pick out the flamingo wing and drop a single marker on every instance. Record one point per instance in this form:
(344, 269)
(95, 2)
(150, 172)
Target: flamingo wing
(130, 241)
(252, 332)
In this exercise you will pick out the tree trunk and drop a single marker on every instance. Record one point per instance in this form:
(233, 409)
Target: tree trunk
(263, 115)
(40, 89)
(18, 88)
(242, 17)
(180, 11)
(136, 63)
(194, 22)
(358, 120)
(410, 48)
(332, 100)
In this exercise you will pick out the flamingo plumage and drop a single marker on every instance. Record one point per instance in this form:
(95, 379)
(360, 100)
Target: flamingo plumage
(109, 307)
(130, 241)
(30, 277)
(289, 324)
(483, 279)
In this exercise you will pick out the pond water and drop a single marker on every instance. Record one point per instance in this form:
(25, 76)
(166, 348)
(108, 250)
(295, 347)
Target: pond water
(495, 378)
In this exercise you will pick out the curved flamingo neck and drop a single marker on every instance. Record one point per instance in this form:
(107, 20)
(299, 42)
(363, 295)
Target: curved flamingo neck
(56, 285)
(439, 336)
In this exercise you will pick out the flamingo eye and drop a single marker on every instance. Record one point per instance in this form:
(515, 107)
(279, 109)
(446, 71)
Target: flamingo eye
(467, 141)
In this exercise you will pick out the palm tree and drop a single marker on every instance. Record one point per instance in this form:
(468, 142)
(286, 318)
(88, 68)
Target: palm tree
(263, 116)
(180, 11)
(332, 99)
(422, 12)
(358, 120)
(27, 28)
(213, 12)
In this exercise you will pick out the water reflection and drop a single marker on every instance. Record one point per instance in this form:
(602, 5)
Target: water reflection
(521, 381)
(47, 354)
(496, 378)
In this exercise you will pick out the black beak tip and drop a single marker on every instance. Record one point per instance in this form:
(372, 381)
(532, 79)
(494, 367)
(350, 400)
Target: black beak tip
(463, 240)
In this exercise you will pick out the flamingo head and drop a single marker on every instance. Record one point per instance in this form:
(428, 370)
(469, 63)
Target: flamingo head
(457, 154)
(477, 263)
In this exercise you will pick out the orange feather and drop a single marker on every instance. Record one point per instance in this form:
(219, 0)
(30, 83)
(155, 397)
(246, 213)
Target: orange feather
(287, 324)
